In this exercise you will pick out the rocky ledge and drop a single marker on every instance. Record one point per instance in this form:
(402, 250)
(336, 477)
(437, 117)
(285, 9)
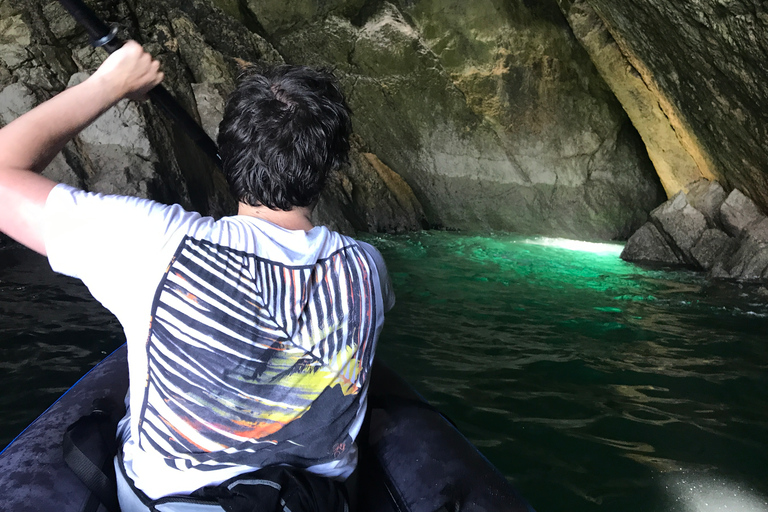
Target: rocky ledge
(706, 229)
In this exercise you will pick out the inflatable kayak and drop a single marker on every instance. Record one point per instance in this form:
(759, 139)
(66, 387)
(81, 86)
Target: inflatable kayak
(411, 457)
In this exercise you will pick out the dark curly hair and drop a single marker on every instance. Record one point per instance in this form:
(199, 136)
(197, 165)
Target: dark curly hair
(284, 129)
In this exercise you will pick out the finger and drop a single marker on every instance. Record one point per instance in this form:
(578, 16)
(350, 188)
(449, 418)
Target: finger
(159, 78)
(132, 46)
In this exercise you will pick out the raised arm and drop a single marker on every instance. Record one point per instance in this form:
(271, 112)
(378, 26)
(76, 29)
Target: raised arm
(29, 143)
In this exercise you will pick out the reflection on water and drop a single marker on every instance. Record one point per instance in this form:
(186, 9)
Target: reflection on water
(697, 492)
(587, 380)
(592, 383)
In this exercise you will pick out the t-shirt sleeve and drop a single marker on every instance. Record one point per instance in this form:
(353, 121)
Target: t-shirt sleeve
(387, 292)
(116, 245)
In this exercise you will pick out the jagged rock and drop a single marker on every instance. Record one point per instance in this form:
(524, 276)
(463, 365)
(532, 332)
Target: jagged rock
(395, 195)
(5, 76)
(131, 149)
(648, 245)
(15, 99)
(87, 58)
(682, 231)
(748, 263)
(15, 36)
(713, 246)
(738, 212)
(563, 162)
(62, 25)
(280, 16)
(206, 64)
(757, 231)
(372, 197)
(707, 197)
(210, 99)
(121, 155)
(681, 222)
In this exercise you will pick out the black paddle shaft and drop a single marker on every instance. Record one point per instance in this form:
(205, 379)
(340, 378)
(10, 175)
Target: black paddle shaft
(104, 36)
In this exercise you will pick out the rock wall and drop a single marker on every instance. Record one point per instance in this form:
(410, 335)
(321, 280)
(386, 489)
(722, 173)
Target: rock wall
(490, 110)
(700, 67)
(133, 149)
(470, 115)
(675, 163)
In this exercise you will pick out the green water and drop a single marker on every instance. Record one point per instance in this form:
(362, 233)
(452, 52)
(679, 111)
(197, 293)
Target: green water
(593, 384)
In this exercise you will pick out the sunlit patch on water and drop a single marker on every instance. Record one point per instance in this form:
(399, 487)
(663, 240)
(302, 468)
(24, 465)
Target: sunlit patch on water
(694, 492)
(603, 249)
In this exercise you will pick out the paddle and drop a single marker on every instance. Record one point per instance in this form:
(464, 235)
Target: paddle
(106, 37)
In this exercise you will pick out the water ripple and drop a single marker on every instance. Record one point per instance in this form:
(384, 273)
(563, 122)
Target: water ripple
(583, 377)
(592, 383)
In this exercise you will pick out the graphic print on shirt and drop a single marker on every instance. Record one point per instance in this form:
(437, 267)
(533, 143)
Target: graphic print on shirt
(253, 362)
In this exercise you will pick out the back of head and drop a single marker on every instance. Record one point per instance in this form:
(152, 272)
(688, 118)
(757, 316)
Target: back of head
(284, 129)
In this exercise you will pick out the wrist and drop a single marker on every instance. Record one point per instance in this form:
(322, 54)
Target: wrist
(103, 88)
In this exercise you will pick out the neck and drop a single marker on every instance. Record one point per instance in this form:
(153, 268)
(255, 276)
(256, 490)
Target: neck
(296, 219)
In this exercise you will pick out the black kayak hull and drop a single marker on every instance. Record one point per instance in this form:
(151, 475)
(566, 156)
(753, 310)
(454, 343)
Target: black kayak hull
(411, 458)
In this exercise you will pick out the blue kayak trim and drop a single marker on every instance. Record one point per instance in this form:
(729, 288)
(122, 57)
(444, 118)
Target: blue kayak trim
(59, 399)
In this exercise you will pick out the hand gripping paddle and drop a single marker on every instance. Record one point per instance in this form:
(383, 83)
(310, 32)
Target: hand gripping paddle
(106, 37)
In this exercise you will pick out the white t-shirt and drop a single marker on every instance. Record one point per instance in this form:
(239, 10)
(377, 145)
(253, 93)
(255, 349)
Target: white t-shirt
(248, 344)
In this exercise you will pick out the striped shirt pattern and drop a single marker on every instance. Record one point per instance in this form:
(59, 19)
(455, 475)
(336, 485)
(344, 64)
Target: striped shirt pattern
(254, 362)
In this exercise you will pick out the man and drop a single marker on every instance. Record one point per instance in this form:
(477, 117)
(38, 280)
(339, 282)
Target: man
(249, 338)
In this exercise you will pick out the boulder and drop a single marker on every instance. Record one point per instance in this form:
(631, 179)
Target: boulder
(648, 245)
(748, 263)
(678, 234)
(707, 197)
(739, 212)
(757, 231)
(713, 246)
(681, 223)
